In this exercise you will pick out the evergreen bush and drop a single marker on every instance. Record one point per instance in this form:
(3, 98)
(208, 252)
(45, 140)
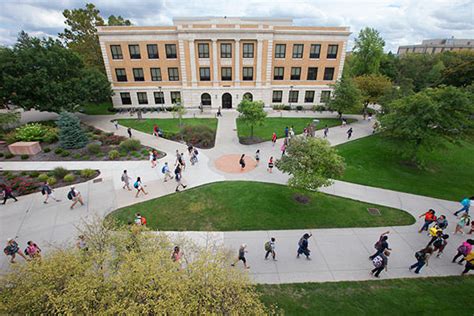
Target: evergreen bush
(71, 134)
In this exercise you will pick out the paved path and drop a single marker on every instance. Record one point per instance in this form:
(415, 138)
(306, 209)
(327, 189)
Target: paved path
(338, 254)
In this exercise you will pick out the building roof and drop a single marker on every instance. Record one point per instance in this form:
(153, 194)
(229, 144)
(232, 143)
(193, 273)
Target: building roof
(232, 20)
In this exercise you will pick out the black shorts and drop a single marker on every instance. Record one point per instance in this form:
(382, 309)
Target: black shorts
(243, 259)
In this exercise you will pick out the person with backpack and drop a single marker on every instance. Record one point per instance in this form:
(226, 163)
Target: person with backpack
(129, 131)
(303, 246)
(442, 222)
(435, 233)
(74, 196)
(242, 162)
(257, 157)
(140, 220)
(270, 249)
(48, 191)
(33, 251)
(126, 180)
(270, 165)
(465, 220)
(166, 171)
(194, 157)
(466, 204)
(242, 251)
(326, 131)
(274, 139)
(422, 256)
(12, 249)
(178, 176)
(439, 244)
(429, 219)
(380, 263)
(463, 250)
(349, 133)
(381, 245)
(138, 185)
(8, 194)
(469, 263)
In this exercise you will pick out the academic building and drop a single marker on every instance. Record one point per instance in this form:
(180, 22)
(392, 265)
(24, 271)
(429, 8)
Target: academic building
(434, 46)
(219, 61)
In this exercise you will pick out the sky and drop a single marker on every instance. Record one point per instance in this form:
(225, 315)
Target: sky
(400, 22)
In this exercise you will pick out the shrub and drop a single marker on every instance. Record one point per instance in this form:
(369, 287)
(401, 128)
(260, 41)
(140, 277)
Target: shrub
(36, 132)
(52, 180)
(10, 137)
(59, 172)
(287, 108)
(46, 149)
(77, 156)
(130, 145)
(2, 154)
(58, 151)
(101, 154)
(114, 154)
(23, 173)
(43, 177)
(70, 177)
(145, 151)
(198, 135)
(123, 154)
(9, 155)
(71, 134)
(65, 153)
(299, 108)
(34, 174)
(319, 108)
(23, 186)
(93, 148)
(135, 154)
(24, 157)
(85, 157)
(87, 173)
(278, 107)
(111, 139)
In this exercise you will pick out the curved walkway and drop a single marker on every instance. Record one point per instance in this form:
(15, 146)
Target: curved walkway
(338, 254)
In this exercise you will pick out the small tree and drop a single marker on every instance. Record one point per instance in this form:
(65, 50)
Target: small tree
(311, 162)
(368, 52)
(71, 134)
(346, 97)
(251, 113)
(372, 87)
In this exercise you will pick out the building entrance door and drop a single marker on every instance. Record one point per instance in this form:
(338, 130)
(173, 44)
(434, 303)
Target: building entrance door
(226, 101)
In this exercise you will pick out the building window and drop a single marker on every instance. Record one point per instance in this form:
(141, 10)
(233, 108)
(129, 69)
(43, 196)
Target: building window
(125, 96)
(170, 51)
(159, 97)
(325, 95)
(121, 74)
(312, 73)
(152, 50)
(226, 50)
(205, 74)
(247, 74)
(226, 73)
(298, 50)
(138, 74)
(277, 96)
(203, 50)
(116, 51)
(205, 99)
(248, 50)
(315, 51)
(295, 73)
(278, 73)
(248, 96)
(332, 51)
(142, 98)
(293, 96)
(328, 73)
(173, 74)
(134, 51)
(309, 96)
(155, 74)
(280, 50)
(175, 97)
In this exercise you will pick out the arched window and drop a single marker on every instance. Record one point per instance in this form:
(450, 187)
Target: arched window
(205, 99)
(226, 101)
(248, 96)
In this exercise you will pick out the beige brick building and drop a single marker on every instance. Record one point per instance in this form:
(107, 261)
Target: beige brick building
(218, 61)
(435, 46)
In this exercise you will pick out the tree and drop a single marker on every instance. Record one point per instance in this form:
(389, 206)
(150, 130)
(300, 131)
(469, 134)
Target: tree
(389, 66)
(251, 113)
(459, 68)
(117, 21)
(42, 74)
(130, 272)
(372, 87)
(367, 52)
(71, 134)
(426, 120)
(311, 162)
(346, 97)
(9, 119)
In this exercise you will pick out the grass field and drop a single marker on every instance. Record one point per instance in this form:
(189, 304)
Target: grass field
(421, 296)
(448, 173)
(169, 126)
(277, 125)
(97, 108)
(241, 205)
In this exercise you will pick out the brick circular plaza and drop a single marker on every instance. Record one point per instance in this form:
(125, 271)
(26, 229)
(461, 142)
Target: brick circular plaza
(230, 163)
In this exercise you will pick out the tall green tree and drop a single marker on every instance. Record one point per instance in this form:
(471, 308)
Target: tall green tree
(311, 162)
(459, 68)
(372, 87)
(346, 97)
(389, 66)
(367, 52)
(117, 21)
(251, 113)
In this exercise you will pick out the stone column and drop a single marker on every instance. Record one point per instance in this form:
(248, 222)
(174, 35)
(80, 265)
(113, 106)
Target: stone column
(259, 63)
(182, 62)
(214, 63)
(192, 60)
(237, 63)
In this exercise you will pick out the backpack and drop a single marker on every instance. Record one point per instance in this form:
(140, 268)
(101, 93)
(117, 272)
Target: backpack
(438, 242)
(268, 247)
(163, 170)
(377, 261)
(124, 178)
(419, 255)
(196, 152)
(300, 242)
(70, 195)
(378, 244)
(463, 249)
(43, 190)
(135, 185)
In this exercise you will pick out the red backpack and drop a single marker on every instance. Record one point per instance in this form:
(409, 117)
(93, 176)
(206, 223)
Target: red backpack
(143, 220)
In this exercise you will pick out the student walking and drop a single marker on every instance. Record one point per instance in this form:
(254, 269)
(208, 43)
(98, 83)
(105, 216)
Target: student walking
(166, 171)
(129, 131)
(274, 139)
(303, 246)
(12, 249)
(194, 156)
(138, 185)
(344, 122)
(465, 220)
(7, 194)
(242, 162)
(181, 162)
(242, 252)
(349, 133)
(439, 244)
(291, 132)
(463, 250)
(75, 196)
(380, 263)
(469, 263)
(178, 176)
(270, 165)
(381, 245)
(270, 249)
(81, 243)
(422, 256)
(442, 222)
(126, 180)
(283, 149)
(33, 251)
(429, 218)
(466, 205)
(49, 192)
(219, 113)
(326, 131)
(287, 131)
(176, 256)
(257, 156)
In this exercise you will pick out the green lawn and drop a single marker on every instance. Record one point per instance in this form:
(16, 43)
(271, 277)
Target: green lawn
(448, 174)
(276, 124)
(421, 296)
(97, 108)
(241, 205)
(168, 126)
